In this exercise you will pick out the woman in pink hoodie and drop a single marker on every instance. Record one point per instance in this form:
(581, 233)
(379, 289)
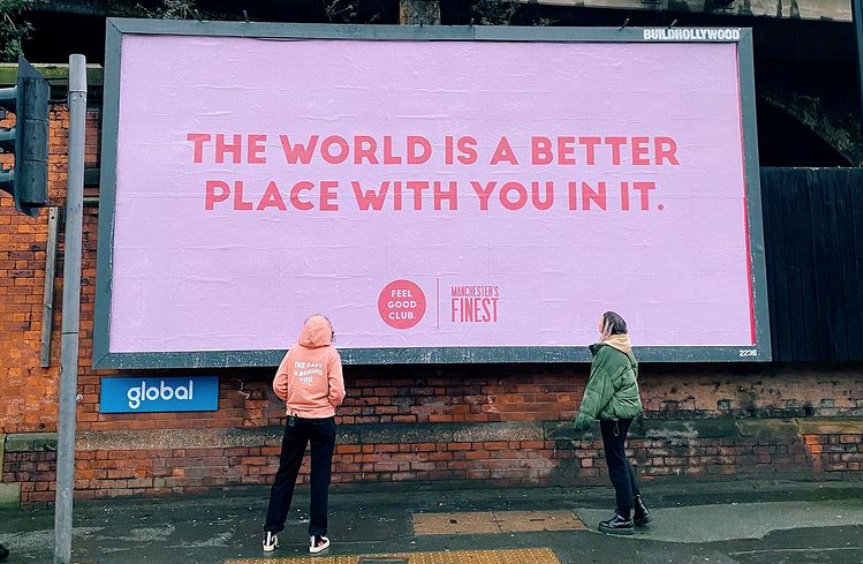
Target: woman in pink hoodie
(310, 381)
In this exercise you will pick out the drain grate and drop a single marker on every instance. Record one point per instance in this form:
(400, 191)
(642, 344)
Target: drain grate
(381, 560)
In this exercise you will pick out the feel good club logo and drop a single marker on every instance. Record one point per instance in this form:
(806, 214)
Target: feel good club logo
(401, 304)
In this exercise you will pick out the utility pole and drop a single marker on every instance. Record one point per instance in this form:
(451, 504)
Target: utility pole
(71, 310)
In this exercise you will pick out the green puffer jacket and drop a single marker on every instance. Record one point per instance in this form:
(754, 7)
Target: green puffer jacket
(612, 390)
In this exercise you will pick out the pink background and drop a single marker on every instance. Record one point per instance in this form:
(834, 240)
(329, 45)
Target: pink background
(186, 279)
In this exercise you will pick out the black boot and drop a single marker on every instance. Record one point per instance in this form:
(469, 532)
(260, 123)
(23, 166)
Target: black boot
(642, 513)
(617, 525)
(3, 552)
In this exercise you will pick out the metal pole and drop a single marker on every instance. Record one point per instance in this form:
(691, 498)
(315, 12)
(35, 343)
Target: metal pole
(71, 311)
(48, 295)
(857, 15)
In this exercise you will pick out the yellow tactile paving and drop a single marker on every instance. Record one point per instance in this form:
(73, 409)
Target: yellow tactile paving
(520, 556)
(491, 522)
(478, 522)
(527, 521)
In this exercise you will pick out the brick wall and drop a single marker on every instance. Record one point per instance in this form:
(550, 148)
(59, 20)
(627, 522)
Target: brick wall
(488, 394)
(28, 393)
(399, 423)
(459, 424)
(523, 454)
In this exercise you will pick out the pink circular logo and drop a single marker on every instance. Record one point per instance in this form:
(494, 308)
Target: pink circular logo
(402, 304)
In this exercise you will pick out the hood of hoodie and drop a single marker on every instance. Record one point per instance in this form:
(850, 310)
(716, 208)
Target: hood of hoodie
(316, 333)
(619, 342)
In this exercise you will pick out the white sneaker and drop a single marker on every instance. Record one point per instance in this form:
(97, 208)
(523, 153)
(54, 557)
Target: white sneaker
(271, 541)
(318, 543)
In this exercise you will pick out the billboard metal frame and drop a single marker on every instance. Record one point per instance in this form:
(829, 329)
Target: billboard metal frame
(117, 28)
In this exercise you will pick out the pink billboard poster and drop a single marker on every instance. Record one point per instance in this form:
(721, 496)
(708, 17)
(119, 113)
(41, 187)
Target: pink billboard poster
(427, 194)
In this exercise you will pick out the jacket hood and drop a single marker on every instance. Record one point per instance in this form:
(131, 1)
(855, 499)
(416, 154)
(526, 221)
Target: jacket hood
(316, 332)
(619, 342)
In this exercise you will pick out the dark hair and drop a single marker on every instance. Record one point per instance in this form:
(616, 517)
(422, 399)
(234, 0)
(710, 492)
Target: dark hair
(615, 323)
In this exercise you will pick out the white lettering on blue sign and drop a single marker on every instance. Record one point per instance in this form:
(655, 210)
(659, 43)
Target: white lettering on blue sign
(154, 395)
(143, 393)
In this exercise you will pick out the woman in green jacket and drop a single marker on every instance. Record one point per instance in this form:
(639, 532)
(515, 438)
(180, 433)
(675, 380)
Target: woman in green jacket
(612, 397)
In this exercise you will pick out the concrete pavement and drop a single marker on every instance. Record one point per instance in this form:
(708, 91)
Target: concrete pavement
(704, 523)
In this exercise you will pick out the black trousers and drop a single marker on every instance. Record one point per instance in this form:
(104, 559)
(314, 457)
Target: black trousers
(322, 435)
(619, 470)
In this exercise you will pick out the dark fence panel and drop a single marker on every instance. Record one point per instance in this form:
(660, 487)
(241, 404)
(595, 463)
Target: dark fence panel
(813, 237)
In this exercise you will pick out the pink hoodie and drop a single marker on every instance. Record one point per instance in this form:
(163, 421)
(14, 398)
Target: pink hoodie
(310, 376)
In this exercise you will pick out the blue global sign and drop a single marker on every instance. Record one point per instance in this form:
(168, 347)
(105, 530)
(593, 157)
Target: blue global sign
(150, 395)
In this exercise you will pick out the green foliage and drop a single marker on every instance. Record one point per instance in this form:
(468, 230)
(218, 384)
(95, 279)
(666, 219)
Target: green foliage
(346, 11)
(540, 21)
(15, 5)
(495, 12)
(340, 11)
(175, 10)
(14, 28)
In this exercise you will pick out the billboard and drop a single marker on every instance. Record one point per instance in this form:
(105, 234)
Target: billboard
(441, 194)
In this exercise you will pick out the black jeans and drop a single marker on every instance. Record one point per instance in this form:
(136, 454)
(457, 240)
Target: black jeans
(322, 434)
(619, 470)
